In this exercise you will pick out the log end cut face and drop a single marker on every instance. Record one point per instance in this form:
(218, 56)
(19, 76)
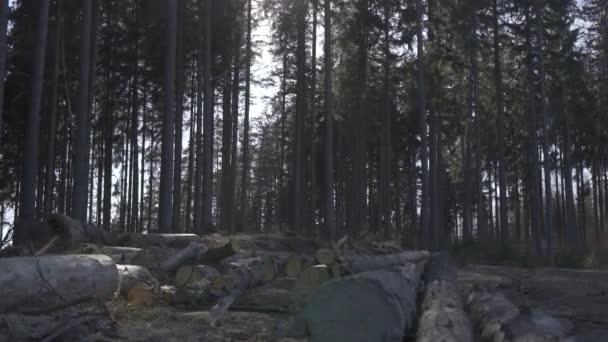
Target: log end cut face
(359, 310)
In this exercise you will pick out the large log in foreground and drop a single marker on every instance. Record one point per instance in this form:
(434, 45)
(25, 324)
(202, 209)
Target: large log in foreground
(34, 284)
(443, 317)
(499, 320)
(371, 306)
(363, 263)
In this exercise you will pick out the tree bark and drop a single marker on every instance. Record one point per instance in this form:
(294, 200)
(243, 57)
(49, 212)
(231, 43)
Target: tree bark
(81, 147)
(328, 167)
(370, 306)
(421, 100)
(4, 12)
(179, 118)
(37, 283)
(443, 316)
(207, 219)
(363, 263)
(166, 168)
(244, 214)
(30, 150)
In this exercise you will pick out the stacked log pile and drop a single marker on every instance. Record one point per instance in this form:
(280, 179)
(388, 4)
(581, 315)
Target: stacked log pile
(58, 286)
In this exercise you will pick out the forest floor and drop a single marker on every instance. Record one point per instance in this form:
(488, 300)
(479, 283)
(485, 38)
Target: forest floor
(578, 298)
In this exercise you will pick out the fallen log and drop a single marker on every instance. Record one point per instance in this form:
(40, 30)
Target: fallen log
(238, 281)
(188, 274)
(497, 319)
(216, 254)
(38, 283)
(191, 252)
(326, 256)
(167, 240)
(131, 276)
(443, 317)
(248, 254)
(312, 278)
(152, 256)
(77, 230)
(370, 306)
(363, 263)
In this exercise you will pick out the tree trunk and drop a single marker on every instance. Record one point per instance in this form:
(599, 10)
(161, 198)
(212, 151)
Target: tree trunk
(191, 153)
(25, 284)
(244, 215)
(207, 219)
(52, 123)
(421, 100)
(533, 160)
(298, 185)
(328, 167)
(314, 190)
(179, 118)
(225, 195)
(236, 81)
(81, 146)
(4, 13)
(502, 165)
(384, 197)
(547, 164)
(30, 150)
(198, 175)
(166, 168)
(135, 103)
(108, 130)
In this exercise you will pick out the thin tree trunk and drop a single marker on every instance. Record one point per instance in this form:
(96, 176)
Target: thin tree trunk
(135, 103)
(191, 153)
(225, 194)
(52, 123)
(81, 147)
(207, 219)
(166, 168)
(502, 165)
(235, 127)
(244, 215)
(421, 100)
(4, 13)
(108, 131)
(314, 191)
(198, 175)
(328, 167)
(179, 118)
(30, 150)
(533, 160)
(548, 226)
(385, 149)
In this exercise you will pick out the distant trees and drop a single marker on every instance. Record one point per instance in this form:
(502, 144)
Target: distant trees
(437, 122)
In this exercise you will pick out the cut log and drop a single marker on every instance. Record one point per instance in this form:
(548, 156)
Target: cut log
(152, 256)
(141, 295)
(192, 252)
(188, 274)
(497, 319)
(363, 263)
(247, 254)
(34, 283)
(134, 276)
(77, 230)
(312, 278)
(166, 240)
(120, 255)
(295, 264)
(216, 254)
(443, 316)
(326, 256)
(370, 306)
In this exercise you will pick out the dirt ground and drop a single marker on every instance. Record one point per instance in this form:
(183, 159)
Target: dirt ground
(577, 298)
